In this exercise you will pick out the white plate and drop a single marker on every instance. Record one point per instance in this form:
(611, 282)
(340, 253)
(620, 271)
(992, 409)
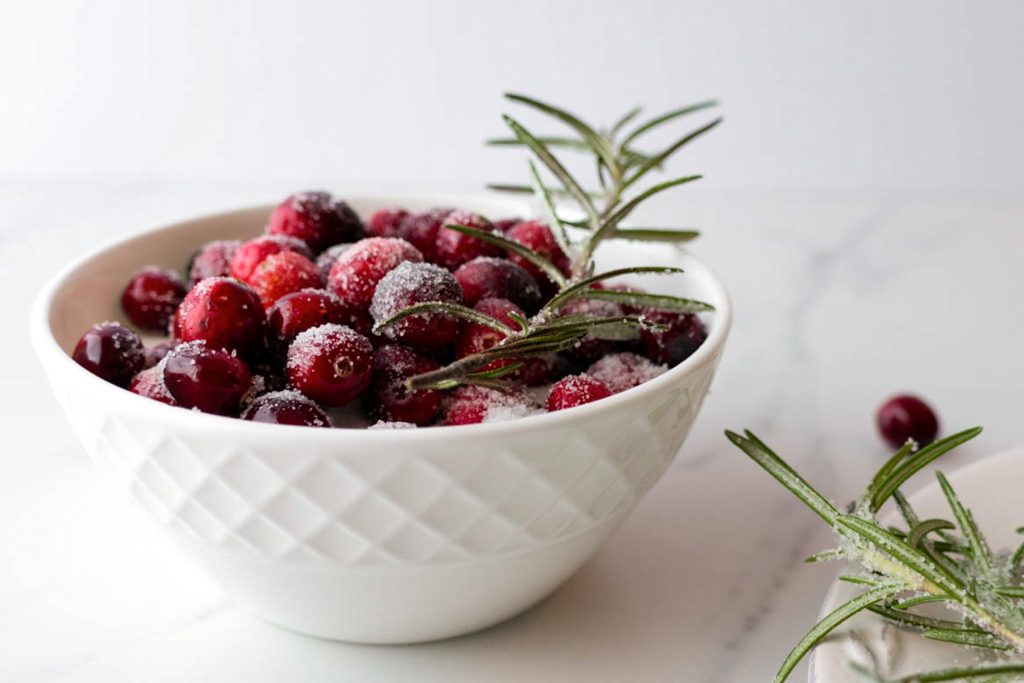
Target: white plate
(992, 489)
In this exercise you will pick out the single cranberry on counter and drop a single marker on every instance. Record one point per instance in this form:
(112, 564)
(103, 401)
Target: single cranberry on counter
(907, 417)
(389, 399)
(207, 379)
(476, 337)
(538, 237)
(150, 384)
(413, 283)
(420, 230)
(282, 274)
(475, 404)
(386, 222)
(621, 371)
(151, 297)
(486, 277)
(355, 274)
(302, 310)
(212, 260)
(226, 314)
(249, 255)
(455, 248)
(156, 353)
(685, 334)
(316, 218)
(286, 408)
(332, 364)
(110, 351)
(576, 390)
(325, 261)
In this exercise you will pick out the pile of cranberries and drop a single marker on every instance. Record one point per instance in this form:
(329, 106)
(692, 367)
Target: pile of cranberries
(279, 328)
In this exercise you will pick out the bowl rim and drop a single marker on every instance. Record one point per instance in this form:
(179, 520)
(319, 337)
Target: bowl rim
(51, 354)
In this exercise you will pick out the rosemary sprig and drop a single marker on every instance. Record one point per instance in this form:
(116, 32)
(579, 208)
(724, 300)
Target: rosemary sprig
(620, 166)
(906, 568)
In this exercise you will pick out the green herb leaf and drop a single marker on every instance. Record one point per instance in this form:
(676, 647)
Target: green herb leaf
(665, 118)
(912, 466)
(992, 672)
(661, 302)
(516, 248)
(658, 159)
(654, 235)
(968, 638)
(597, 143)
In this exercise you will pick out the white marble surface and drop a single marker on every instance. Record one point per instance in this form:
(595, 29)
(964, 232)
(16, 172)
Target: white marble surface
(839, 302)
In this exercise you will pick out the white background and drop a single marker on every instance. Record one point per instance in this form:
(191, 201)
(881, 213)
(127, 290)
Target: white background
(818, 95)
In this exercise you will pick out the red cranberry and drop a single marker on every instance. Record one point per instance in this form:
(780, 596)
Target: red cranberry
(476, 337)
(212, 260)
(332, 364)
(535, 371)
(207, 379)
(325, 261)
(621, 371)
(150, 384)
(474, 404)
(284, 273)
(252, 253)
(503, 225)
(455, 248)
(413, 283)
(356, 273)
(110, 351)
(590, 349)
(420, 230)
(286, 408)
(487, 276)
(151, 297)
(224, 313)
(538, 237)
(389, 399)
(576, 390)
(386, 222)
(156, 353)
(684, 335)
(302, 310)
(907, 417)
(317, 219)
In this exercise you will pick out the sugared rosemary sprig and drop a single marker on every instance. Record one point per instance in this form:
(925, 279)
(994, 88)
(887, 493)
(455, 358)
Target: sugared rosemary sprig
(619, 167)
(930, 561)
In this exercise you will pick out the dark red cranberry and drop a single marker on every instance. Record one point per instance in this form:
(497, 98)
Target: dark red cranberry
(684, 335)
(156, 353)
(356, 273)
(110, 351)
(332, 364)
(575, 390)
(389, 399)
(455, 248)
(286, 408)
(590, 348)
(302, 310)
(487, 277)
(621, 371)
(477, 337)
(150, 384)
(503, 225)
(207, 379)
(907, 417)
(325, 261)
(224, 313)
(538, 237)
(420, 230)
(151, 297)
(413, 283)
(386, 222)
(252, 253)
(212, 260)
(535, 371)
(284, 273)
(474, 404)
(316, 218)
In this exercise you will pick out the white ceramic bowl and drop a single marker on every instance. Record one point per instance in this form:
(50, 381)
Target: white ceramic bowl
(373, 536)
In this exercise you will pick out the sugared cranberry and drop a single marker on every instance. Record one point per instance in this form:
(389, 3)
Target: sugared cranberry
(487, 276)
(413, 283)
(156, 353)
(252, 253)
(576, 390)
(325, 261)
(224, 313)
(477, 337)
(590, 348)
(317, 219)
(110, 351)
(356, 273)
(150, 384)
(212, 260)
(684, 335)
(503, 225)
(536, 370)
(389, 399)
(455, 248)
(284, 273)
(151, 297)
(621, 371)
(332, 364)
(907, 417)
(474, 404)
(386, 222)
(537, 236)
(302, 310)
(420, 230)
(207, 379)
(286, 408)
